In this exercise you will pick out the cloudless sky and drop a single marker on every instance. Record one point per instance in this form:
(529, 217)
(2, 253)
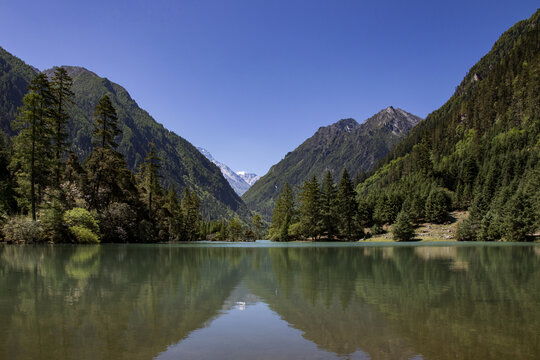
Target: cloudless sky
(250, 80)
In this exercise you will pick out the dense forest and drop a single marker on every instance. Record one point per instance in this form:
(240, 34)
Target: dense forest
(47, 194)
(182, 165)
(479, 152)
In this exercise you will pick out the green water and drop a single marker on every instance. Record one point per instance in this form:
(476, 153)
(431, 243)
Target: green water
(261, 301)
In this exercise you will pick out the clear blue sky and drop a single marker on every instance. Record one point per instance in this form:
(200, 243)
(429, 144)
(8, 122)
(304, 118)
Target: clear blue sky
(249, 80)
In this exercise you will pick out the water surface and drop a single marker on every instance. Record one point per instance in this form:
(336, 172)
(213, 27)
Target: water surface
(268, 301)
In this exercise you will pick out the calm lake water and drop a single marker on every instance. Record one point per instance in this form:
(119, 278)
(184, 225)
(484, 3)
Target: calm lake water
(265, 301)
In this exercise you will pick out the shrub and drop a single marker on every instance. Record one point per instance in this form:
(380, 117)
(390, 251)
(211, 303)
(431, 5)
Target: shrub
(119, 223)
(52, 221)
(376, 230)
(82, 225)
(84, 235)
(81, 217)
(21, 229)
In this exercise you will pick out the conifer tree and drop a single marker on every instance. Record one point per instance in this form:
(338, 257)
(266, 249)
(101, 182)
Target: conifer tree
(235, 228)
(257, 225)
(403, 229)
(309, 208)
(436, 205)
(149, 170)
(346, 199)
(329, 208)
(32, 145)
(106, 129)
(62, 97)
(284, 215)
(191, 214)
(174, 215)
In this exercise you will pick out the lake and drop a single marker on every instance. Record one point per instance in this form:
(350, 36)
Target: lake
(270, 301)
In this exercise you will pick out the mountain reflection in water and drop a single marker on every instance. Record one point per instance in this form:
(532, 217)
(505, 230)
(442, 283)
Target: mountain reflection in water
(269, 302)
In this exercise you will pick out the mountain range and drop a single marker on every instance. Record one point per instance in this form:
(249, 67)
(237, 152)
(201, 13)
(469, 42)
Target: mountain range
(344, 144)
(240, 181)
(182, 164)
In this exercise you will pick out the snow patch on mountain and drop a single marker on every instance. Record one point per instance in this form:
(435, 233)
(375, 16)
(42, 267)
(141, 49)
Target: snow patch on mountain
(239, 181)
(250, 178)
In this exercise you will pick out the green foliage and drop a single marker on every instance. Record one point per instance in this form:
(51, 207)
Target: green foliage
(346, 203)
(519, 218)
(81, 217)
(476, 152)
(309, 209)
(284, 215)
(257, 226)
(83, 235)
(329, 207)
(235, 229)
(22, 229)
(436, 208)
(191, 215)
(467, 230)
(52, 221)
(62, 97)
(403, 229)
(32, 146)
(106, 128)
(183, 165)
(82, 225)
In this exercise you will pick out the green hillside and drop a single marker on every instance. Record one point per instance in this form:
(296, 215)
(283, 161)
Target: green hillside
(183, 165)
(344, 144)
(480, 151)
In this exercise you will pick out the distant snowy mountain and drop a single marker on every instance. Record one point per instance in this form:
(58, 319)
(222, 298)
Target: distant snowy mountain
(240, 181)
(250, 178)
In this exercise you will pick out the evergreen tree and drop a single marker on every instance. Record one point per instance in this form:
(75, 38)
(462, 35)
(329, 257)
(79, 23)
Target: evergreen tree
(329, 208)
(309, 209)
(257, 225)
(519, 219)
(223, 231)
(284, 215)
(174, 215)
(150, 176)
(7, 199)
(235, 229)
(31, 159)
(106, 129)
(191, 214)
(365, 213)
(346, 200)
(436, 205)
(62, 97)
(403, 229)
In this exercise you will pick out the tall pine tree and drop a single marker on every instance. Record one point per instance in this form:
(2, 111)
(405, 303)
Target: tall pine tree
(309, 208)
(346, 199)
(62, 96)
(284, 215)
(329, 208)
(32, 155)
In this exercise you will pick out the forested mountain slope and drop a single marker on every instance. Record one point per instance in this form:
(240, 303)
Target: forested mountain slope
(344, 144)
(182, 164)
(480, 151)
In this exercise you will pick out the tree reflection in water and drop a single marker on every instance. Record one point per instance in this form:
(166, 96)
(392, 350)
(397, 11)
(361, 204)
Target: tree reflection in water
(132, 302)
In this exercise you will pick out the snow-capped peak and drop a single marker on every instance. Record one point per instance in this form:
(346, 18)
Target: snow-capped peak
(240, 181)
